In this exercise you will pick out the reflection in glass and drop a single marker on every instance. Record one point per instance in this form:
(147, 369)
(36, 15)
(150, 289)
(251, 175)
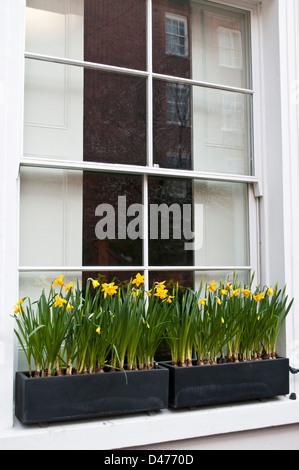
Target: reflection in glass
(201, 223)
(171, 38)
(112, 220)
(68, 218)
(169, 201)
(172, 125)
(114, 118)
(222, 131)
(102, 31)
(77, 114)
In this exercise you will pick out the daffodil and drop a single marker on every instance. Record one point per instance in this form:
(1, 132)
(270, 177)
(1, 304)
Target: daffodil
(59, 281)
(69, 307)
(109, 289)
(149, 293)
(170, 297)
(98, 330)
(161, 292)
(59, 302)
(18, 308)
(246, 292)
(218, 301)
(69, 287)
(212, 286)
(139, 279)
(270, 291)
(258, 297)
(235, 293)
(228, 285)
(223, 292)
(222, 320)
(95, 283)
(202, 302)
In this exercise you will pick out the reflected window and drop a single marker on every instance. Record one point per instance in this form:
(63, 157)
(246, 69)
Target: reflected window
(176, 35)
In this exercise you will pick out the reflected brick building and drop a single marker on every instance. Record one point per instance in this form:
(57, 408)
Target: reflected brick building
(115, 117)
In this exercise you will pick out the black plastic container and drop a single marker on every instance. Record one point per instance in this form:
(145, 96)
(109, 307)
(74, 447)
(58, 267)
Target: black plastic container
(63, 398)
(228, 382)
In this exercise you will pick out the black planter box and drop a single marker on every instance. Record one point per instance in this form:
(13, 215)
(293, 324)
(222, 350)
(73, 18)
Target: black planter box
(228, 382)
(51, 399)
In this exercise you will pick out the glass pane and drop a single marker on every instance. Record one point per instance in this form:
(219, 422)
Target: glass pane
(199, 224)
(220, 45)
(202, 129)
(222, 136)
(172, 125)
(102, 31)
(167, 198)
(171, 41)
(204, 42)
(221, 224)
(70, 218)
(112, 220)
(84, 115)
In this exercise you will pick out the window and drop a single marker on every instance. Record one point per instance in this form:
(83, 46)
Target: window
(230, 47)
(123, 138)
(176, 35)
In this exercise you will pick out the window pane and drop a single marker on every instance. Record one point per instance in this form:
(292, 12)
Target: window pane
(220, 45)
(70, 218)
(112, 220)
(102, 31)
(204, 42)
(167, 198)
(221, 224)
(199, 224)
(84, 115)
(202, 129)
(171, 44)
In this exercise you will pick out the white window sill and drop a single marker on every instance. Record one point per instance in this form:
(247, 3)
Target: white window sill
(150, 428)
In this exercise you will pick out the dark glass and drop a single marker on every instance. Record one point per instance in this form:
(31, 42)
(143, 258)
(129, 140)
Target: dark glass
(172, 125)
(114, 118)
(118, 249)
(166, 232)
(115, 32)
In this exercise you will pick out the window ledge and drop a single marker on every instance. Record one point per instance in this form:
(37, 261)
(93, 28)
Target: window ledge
(150, 428)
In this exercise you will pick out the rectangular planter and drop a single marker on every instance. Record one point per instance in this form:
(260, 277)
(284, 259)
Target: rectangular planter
(51, 399)
(228, 382)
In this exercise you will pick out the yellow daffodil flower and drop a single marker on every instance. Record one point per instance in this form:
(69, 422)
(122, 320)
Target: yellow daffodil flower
(149, 293)
(18, 308)
(246, 292)
(223, 291)
(258, 297)
(139, 279)
(222, 320)
(59, 302)
(95, 283)
(202, 302)
(228, 285)
(212, 286)
(218, 301)
(161, 292)
(98, 330)
(235, 293)
(270, 291)
(109, 289)
(170, 297)
(69, 307)
(69, 287)
(59, 281)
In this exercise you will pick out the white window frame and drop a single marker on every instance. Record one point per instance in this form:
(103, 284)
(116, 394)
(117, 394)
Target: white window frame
(166, 425)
